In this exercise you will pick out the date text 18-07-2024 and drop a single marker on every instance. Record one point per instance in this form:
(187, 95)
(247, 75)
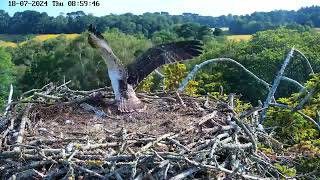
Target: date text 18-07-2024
(54, 3)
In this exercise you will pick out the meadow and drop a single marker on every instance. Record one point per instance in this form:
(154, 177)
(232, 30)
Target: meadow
(238, 38)
(7, 40)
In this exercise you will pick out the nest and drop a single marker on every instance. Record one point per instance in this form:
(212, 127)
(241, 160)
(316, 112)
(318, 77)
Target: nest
(59, 133)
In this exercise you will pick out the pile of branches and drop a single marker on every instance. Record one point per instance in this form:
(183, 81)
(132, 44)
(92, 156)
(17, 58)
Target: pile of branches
(221, 144)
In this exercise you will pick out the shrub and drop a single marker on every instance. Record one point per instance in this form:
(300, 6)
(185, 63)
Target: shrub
(291, 127)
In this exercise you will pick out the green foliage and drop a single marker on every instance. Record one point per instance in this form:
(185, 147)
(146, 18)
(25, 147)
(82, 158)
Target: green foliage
(15, 37)
(284, 170)
(293, 128)
(239, 105)
(208, 82)
(310, 161)
(263, 55)
(7, 71)
(147, 84)
(60, 58)
(193, 31)
(126, 47)
(174, 74)
(164, 36)
(33, 22)
(308, 165)
(217, 32)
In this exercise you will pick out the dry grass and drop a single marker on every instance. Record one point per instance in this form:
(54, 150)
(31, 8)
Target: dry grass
(39, 38)
(7, 44)
(45, 37)
(238, 38)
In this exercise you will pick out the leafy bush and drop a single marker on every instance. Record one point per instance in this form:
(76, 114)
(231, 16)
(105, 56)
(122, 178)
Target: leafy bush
(263, 55)
(62, 58)
(147, 84)
(292, 127)
(284, 170)
(7, 71)
(174, 74)
(309, 159)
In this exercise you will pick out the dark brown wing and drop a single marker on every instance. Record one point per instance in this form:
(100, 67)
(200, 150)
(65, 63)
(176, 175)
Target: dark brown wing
(93, 29)
(160, 55)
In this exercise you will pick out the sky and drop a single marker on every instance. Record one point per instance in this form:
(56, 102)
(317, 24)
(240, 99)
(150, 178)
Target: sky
(202, 7)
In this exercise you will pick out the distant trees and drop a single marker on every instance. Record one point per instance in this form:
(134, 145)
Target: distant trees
(217, 32)
(193, 31)
(32, 22)
(28, 22)
(4, 21)
(164, 36)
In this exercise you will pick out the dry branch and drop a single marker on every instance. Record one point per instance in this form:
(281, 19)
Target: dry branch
(9, 100)
(22, 128)
(196, 68)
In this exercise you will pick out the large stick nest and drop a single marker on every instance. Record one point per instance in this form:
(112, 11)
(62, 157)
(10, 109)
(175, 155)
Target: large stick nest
(59, 133)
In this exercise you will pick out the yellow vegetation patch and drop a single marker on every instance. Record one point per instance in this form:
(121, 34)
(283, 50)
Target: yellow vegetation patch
(45, 37)
(7, 44)
(238, 38)
(72, 36)
(40, 38)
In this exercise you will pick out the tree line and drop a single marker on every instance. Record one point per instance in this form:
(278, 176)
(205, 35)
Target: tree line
(33, 22)
(38, 63)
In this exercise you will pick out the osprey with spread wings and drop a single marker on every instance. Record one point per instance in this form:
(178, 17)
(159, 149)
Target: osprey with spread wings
(125, 79)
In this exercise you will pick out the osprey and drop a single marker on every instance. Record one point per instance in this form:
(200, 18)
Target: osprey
(124, 80)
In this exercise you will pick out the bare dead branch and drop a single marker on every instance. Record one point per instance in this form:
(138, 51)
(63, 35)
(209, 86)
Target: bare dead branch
(196, 68)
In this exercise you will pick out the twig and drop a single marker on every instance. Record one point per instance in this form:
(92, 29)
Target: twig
(35, 90)
(47, 96)
(24, 120)
(306, 59)
(9, 100)
(309, 119)
(284, 78)
(87, 171)
(185, 173)
(27, 174)
(207, 117)
(180, 99)
(179, 144)
(156, 97)
(253, 141)
(150, 144)
(237, 146)
(306, 98)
